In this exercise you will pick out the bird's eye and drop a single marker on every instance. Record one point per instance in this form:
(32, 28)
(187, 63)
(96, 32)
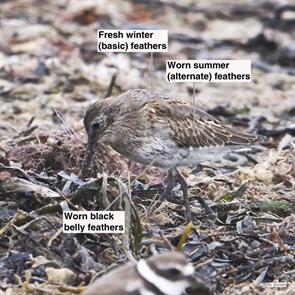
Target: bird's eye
(96, 124)
(174, 272)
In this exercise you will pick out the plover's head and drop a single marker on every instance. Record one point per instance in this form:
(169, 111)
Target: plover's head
(172, 274)
(163, 274)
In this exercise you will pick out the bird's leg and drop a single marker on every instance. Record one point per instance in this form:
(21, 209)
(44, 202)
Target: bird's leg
(205, 206)
(178, 178)
(174, 177)
(169, 186)
(183, 185)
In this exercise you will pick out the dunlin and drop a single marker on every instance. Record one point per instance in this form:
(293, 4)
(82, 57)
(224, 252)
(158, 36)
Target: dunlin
(152, 128)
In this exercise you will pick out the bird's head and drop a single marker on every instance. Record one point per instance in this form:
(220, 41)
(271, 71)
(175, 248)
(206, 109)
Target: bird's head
(110, 119)
(98, 120)
(171, 273)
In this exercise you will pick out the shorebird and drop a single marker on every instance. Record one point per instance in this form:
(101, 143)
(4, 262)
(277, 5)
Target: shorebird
(162, 274)
(167, 132)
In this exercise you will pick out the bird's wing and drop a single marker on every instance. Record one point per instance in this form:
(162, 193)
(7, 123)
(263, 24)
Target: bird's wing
(193, 127)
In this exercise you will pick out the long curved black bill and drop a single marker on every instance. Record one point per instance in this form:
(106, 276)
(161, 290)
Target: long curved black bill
(91, 146)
